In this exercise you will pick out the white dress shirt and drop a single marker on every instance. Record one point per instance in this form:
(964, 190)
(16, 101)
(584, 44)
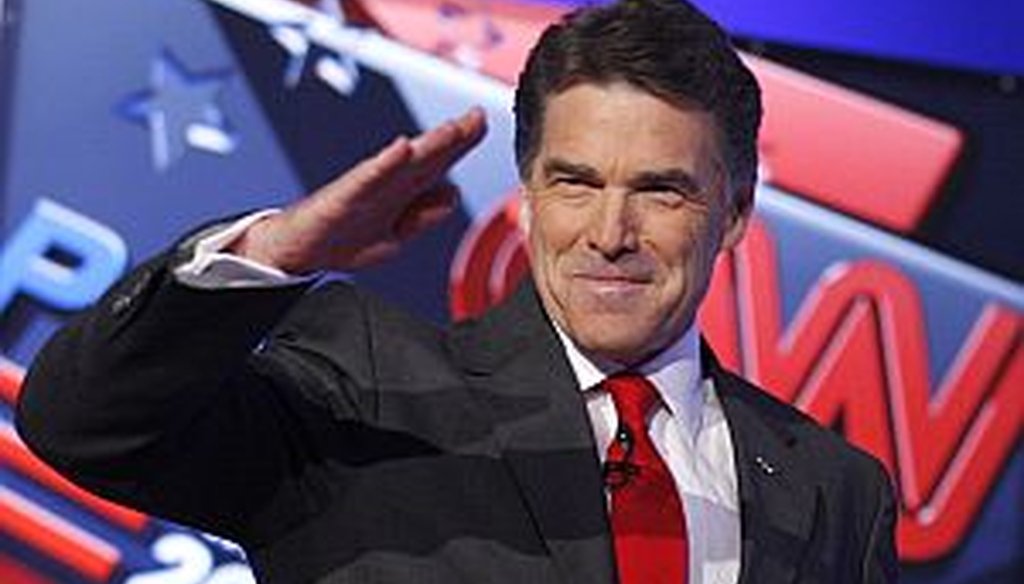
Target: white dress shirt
(689, 431)
(691, 434)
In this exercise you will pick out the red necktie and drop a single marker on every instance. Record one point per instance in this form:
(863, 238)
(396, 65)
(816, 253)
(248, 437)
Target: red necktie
(648, 524)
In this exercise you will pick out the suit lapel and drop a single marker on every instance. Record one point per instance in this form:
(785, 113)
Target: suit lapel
(513, 357)
(777, 502)
(517, 366)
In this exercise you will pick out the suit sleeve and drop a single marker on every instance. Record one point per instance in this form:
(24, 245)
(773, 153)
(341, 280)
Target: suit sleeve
(181, 402)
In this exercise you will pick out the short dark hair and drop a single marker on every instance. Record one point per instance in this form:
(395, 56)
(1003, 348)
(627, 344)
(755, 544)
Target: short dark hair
(666, 47)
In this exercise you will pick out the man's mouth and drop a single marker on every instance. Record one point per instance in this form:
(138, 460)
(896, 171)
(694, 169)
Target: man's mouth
(611, 277)
(613, 286)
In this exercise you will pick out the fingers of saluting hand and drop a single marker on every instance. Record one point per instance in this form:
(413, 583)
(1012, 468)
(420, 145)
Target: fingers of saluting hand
(435, 151)
(427, 210)
(364, 215)
(407, 168)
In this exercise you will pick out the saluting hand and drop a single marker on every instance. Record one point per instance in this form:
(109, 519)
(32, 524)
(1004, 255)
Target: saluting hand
(364, 215)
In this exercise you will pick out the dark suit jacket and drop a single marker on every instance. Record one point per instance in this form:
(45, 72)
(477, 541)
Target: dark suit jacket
(339, 440)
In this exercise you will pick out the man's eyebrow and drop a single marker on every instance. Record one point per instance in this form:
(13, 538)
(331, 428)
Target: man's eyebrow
(676, 177)
(555, 166)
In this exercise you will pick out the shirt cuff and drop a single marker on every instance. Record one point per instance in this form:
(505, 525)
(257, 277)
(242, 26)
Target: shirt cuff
(213, 268)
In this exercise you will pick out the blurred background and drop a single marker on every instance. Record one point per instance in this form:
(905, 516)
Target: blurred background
(880, 288)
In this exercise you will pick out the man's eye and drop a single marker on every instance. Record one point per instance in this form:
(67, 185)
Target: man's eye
(571, 181)
(671, 195)
(574, 187)
(667, 195)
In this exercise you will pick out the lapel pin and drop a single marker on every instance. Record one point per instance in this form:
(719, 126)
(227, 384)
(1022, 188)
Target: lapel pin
(765, 465)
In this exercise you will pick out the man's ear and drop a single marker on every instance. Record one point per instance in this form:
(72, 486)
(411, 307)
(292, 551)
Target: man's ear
(525, 215)
(738, 215)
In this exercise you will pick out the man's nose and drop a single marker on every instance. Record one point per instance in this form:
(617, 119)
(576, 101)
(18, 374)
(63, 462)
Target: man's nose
(612, 228)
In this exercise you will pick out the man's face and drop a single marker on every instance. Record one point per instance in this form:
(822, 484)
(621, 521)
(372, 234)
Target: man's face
(627, 207)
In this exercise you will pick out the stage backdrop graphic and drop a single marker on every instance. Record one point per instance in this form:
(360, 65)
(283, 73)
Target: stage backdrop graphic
(879, 287)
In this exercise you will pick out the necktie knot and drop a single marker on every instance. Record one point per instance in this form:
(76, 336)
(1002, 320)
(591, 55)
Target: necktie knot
(634, 399)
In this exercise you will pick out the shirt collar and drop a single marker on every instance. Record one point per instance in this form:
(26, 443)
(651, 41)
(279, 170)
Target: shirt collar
(675, 373)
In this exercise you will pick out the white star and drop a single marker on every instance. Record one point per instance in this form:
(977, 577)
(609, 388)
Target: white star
(181, 111)
(338, 71)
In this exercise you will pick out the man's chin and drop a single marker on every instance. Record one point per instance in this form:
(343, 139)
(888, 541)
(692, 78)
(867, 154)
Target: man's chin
(616, 344)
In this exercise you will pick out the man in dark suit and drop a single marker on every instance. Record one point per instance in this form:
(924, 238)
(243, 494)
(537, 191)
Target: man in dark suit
(577, 433)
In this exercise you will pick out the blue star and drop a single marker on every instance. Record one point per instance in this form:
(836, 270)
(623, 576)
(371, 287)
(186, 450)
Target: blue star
(181, 111)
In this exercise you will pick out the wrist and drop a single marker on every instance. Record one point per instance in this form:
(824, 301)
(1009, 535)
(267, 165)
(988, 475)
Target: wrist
(260, 243)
